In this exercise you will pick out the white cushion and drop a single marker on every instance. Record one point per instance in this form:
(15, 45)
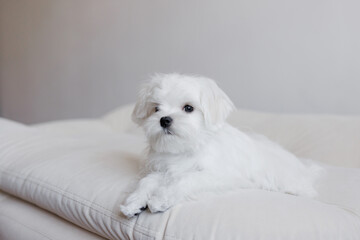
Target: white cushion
(84, 175)
(10, 126)
(21, 220)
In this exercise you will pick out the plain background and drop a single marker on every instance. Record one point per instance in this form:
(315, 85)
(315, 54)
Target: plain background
(81, 58)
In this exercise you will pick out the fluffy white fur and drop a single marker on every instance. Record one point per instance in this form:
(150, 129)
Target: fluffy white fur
(201, 152)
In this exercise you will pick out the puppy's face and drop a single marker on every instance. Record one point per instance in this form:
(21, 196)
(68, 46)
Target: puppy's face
(177, 112)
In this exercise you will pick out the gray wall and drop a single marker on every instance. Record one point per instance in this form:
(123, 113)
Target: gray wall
(81, 58)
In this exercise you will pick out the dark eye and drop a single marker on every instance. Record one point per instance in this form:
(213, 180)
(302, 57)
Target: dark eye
(157, 109)
(188, 108)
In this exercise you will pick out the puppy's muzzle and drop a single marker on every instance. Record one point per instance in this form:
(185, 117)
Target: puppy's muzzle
(165, 122)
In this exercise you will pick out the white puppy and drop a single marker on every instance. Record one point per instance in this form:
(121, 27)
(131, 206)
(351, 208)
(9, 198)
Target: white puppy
(192, 149)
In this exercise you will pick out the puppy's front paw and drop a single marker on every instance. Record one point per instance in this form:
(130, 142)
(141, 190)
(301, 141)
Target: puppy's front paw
(161, 200)
(158, 205)
(133, 205)
(131, 210)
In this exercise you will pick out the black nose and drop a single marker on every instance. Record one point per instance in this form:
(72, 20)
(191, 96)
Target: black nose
(165, 122)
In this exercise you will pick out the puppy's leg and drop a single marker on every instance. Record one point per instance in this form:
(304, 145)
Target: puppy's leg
(179, 188)
(136, 202)
(164, 198)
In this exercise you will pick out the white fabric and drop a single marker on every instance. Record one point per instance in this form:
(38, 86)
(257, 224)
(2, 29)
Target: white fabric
(10, 126)
(21, 220)
(81, 170)
(330, 139)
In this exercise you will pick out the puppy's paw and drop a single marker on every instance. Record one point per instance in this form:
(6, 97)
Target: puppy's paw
(133, 205)
(160, 201)
(131, 211)
(163, 198)
(158, 205)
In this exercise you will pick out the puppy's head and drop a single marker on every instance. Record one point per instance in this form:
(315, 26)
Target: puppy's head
(177, 112)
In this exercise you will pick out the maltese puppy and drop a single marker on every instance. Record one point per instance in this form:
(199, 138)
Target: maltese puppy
(192, 149)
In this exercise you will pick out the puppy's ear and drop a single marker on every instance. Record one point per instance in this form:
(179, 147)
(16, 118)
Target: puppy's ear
(142, 107)
(216, 105)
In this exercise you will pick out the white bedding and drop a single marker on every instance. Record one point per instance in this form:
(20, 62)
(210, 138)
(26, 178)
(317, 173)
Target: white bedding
(81, 170)
(20, 220)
